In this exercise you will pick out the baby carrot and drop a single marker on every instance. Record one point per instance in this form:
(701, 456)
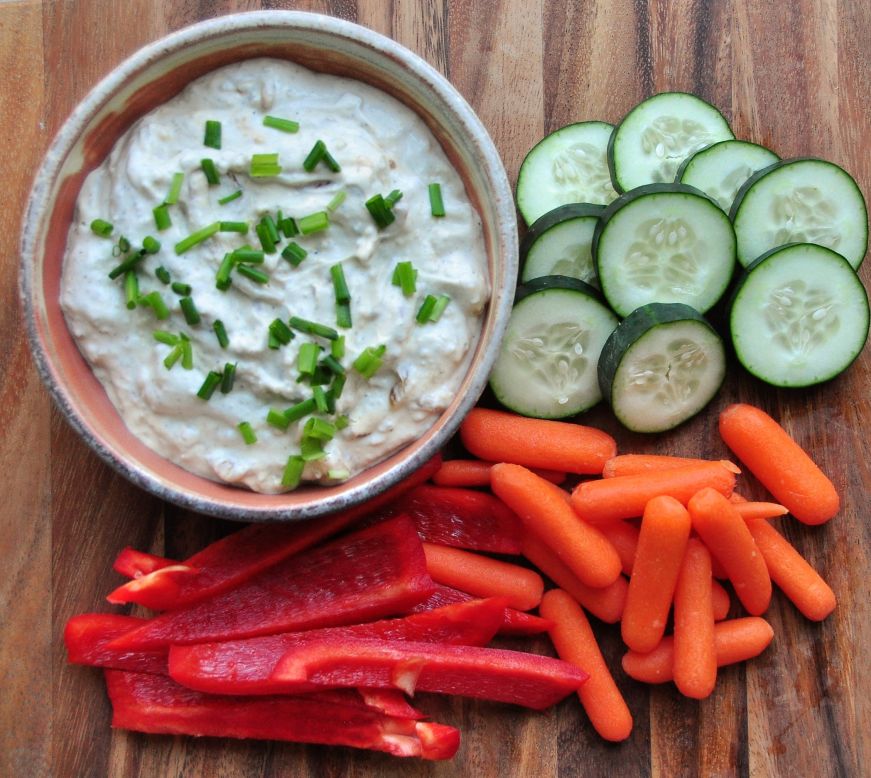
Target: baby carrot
(695, 658)
(781, 465)
(545, 511)
(734, 641)
(737, 498)
(555, 445)
(760, 510)
(725, 533)
(720, 600)
(474, 472)
(791, 572)
(665, 529)
(624, 497)
(605, 603)
(624, 537)
(574, 642)
(483, 576)
(633, 464)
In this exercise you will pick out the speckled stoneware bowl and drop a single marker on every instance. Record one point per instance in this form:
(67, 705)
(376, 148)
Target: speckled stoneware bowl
(155, 74)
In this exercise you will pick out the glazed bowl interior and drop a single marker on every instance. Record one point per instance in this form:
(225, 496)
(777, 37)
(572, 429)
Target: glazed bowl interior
(151, 77)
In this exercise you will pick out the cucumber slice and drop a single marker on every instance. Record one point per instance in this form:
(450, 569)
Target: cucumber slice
(658, 134)
(721, 169)
(661, 366)
(547, 365)
(663, 243)
(560, 243)
(799, 316)
(801, 201)
(567, 166)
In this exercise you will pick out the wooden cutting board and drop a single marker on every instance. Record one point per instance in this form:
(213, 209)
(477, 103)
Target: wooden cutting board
(795, 76)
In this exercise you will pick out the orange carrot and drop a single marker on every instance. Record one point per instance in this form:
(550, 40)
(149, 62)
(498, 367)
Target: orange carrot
(574, 641)
(734, 641)
(737, 498)
(665, 529)
(605, 603)
(633, 464)
(624, 537)
(483, 576)
(695, 658)
(760, 510)
(720, 600)
(791, 572)
(781, 465)
(555, 445)
(474, 472)
(544, 511)
(725, 533)
(612, 499)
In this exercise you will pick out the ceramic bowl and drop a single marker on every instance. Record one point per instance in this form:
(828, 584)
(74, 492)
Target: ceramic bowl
(155, 74)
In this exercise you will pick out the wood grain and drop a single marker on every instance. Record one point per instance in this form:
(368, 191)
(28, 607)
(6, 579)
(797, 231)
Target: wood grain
(795, 76)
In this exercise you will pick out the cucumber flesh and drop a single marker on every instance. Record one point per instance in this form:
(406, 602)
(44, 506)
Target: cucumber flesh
(567, 166)
(720, 170)
(799, 316)
(560, 243)
(661, 366)
(801, 201)
(663, 243)
(658, 134)
(548, 361)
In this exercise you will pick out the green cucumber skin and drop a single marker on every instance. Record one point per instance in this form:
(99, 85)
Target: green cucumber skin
(685, 164)
(558, 215)
(542, 283)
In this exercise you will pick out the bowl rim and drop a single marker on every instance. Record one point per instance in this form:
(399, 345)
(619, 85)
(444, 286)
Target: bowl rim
(505, 244)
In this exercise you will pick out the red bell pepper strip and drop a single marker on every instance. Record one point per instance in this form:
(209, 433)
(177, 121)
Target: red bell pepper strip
(156, 704)
(244, 666)
(463, 518)
(134, 564)
(237, 558)
(514, 622)
(486, 673)
(87, 637)
(371, 573)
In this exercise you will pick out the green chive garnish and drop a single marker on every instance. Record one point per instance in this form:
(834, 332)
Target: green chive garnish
(248, 256)
(307, 359)
(394, 197)
(264, 165)
(221, 333)
(273, 342)
(174, 189)
(123, 246)
(179, 288)
(337, 347)
(271, 228)
(338, 475)
(150, 245)
(368, 363)
(210, 171)
(161, 217)
(277, 419)
(436, 205)
(230, 197)
(247, 432)
(102, 228)
(228, 377)
(285, 125)
(187, 355)
(426, 309)
(240, 227)
(314, 156)
(296, 412)
(313, 328)
(333, 365)
(191, 314)
(314, 222)
(311, 449)
(342, 422)
(209, 385)
(405, 277)
(293, 470)
(441, 303)
(288, 227)
(281, 332)
(337, 387)
(167, 338)
(265, 238)
(258, 276)
(294, 253)
(337, 200)
(319, 429)
(163, 275)
(340, 286)
(212, 137)
(197, 237)
(128, 264)
(343, 315)
(320, 398)
(154, 301)
(131, 288)
(222, 277)
(173, 356)
(380, 211)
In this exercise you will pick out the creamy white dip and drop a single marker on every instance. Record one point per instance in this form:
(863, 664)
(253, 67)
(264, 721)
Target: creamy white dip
(381, 145)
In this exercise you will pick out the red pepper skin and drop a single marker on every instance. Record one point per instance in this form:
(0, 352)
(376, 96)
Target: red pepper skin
(87, 636)
(487, 673)
(237, 558)
(244, 666)
(134, 564)
(463, 518)
(157, 705)
(514, 622)
(371, 573)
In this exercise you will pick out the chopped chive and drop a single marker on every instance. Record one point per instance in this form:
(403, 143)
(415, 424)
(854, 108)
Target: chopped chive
(222, 277)
(247, 432)
(337, 347)
(221, 333)
(271, 228)
(380, 211)
(285, 125)
(320, 398)
(163, 275)
(340, 474)
(264, 165)
(338, 199)
(293, 470)
(339, 284)
(394, 197)
(183, 289)
(230, 197)
(313, 328)
(426, 309)
(319, 429)
(294, 253)
(273, 342)
(307, 359)
(296, 412)
(123, 245)
(281, 332)
(311, 449)
(369, 361)
(342, 422)
(337, 387)
(321, 376)
(212, 137)
(150, 245)
(240, 227)
(161, 217)
(333, 365)
(330, 162)
(174, 189)
(343, 315)
(253, 273)
(330, 399)
(277, 419)
(191, 314)
(167, 338)
(436, 204)
(248, 256)
(154, 301)
(197, 237)
(209, 385)
(210, 171)
(187, 356)
(288, 227)
(131, 288)
(173, 356)
(438, 309)
(314, 156)
(102, 228)
(228, 377)
(128, 264)
(265, 238)
(405, 277)
(314, 222)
